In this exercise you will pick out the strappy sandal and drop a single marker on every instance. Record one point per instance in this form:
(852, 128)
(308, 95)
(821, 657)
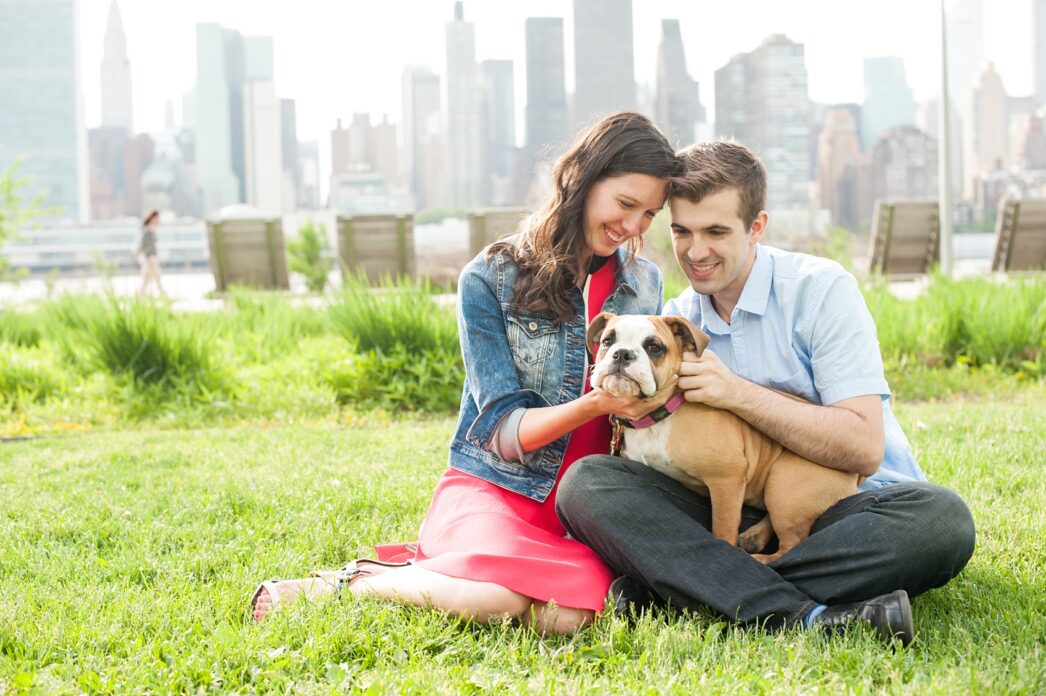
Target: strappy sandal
(318, 583)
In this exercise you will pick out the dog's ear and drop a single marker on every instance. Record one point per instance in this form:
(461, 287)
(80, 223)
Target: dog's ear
(595, 330)
(690, 337)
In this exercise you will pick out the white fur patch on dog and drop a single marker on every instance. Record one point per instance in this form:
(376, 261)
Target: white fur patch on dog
(629, 332)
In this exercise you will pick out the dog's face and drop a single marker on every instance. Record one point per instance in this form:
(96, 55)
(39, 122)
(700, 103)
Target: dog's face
(637, 354)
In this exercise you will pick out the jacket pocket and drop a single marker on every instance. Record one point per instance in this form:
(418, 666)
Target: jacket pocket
(531, 337)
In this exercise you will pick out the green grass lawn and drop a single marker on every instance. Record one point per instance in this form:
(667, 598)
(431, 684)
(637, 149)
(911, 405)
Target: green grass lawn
(127, 559)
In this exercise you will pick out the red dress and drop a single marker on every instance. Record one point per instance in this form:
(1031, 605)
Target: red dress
(479, 531)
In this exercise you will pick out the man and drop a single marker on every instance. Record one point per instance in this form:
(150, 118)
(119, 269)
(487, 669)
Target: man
(793, 323)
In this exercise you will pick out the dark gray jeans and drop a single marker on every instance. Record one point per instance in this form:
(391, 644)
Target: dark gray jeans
(911, 536)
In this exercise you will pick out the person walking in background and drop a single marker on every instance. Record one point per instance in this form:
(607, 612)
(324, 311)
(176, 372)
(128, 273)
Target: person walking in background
(147, 257)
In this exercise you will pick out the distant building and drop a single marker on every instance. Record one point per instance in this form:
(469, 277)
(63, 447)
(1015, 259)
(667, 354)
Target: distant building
(604, 62)
(987, 128)
(1039, 49)
(263, 146)
(107, 148)
(421, 125)
(166, 186)
(547, 128)
(289, 154)
(138, 155)
(1031, 143)
(678, 95)
(383, 153)
(234, 165)
(965, 19)
(903, 165)
(888, 100)
(41, 111)
(498, 102)
(309, 159)
(839, 159)
(761, 100)
(465, 165)
(116, 75)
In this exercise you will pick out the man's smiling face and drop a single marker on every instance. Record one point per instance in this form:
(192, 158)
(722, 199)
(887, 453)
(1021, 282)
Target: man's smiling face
(711, 243)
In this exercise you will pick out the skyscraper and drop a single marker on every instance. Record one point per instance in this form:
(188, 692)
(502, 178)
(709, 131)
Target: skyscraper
(289, 154)
(838, 159)
(116, 75)
(761, 100)
(965, 19)
(499, 127)
(1039, 49)
(547, 121)
(986, 129)
(903, 165)
(678, 96)
(888, 100)
(234, 88)
(262, 146)
(604, 64)
(465, 162)
(214, 125)
(41, 113)
(421, 116)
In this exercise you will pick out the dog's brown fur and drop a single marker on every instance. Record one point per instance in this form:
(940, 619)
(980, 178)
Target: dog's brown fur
(716, 453)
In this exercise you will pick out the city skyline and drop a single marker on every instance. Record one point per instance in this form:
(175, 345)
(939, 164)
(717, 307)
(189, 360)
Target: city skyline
(316, 67)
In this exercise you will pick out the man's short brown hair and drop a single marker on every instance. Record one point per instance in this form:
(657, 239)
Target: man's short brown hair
(713, 166)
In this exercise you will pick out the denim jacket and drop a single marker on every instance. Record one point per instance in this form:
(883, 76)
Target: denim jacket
(514, 360)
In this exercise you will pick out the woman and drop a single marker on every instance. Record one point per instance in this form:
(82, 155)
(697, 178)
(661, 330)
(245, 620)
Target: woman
(147, 257)
(491, 544)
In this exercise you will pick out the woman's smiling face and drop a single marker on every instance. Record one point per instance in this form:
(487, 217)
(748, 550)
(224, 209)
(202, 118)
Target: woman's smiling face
(619, 208)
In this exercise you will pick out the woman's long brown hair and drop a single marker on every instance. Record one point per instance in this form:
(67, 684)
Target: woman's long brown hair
(551, 248)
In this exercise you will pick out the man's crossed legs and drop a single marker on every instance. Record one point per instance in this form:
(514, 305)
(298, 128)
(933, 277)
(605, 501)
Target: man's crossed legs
(652, 529)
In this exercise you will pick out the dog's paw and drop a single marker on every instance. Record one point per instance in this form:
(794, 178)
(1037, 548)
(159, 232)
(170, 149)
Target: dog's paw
(757, 537)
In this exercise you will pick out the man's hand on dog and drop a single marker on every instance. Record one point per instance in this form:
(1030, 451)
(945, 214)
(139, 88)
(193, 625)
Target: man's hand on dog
(706, 380)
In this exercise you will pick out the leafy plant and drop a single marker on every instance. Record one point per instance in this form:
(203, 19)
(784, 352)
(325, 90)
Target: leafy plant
(19, 328)
(27, 375)
(308, 256)
(403, 315)
(149, 344)
(16, 211)
(400, 380)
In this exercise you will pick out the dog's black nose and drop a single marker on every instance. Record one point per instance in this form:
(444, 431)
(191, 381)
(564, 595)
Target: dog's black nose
(623, 356)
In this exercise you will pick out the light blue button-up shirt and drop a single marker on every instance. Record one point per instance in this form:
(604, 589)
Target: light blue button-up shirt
(801, 326)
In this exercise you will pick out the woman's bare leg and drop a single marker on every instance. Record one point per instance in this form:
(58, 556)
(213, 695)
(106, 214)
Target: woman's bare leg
(548, 618)
(472, 599)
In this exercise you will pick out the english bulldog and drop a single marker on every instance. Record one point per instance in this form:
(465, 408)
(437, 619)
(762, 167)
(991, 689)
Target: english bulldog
(708, 450)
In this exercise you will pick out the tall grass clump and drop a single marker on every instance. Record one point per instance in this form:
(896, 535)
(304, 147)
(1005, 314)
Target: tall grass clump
(149, 344)
(26, 375)
(262, 326)
(19, 328)
(972, 321)
(404, 314)
(407, 345)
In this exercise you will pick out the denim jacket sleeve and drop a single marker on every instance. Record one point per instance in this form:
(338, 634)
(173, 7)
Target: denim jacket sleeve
(492, 382)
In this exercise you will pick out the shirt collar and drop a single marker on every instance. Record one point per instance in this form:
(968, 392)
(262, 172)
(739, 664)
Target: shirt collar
(754, 296)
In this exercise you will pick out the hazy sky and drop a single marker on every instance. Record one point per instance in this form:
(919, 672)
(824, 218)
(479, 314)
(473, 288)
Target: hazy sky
(335, 57)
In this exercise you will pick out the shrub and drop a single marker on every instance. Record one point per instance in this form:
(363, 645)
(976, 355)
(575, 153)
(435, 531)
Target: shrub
(307, 256)
(400, 380)
(19, 328)
(27, 375)
(149, 344)
(405, 315)
(264, 326)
